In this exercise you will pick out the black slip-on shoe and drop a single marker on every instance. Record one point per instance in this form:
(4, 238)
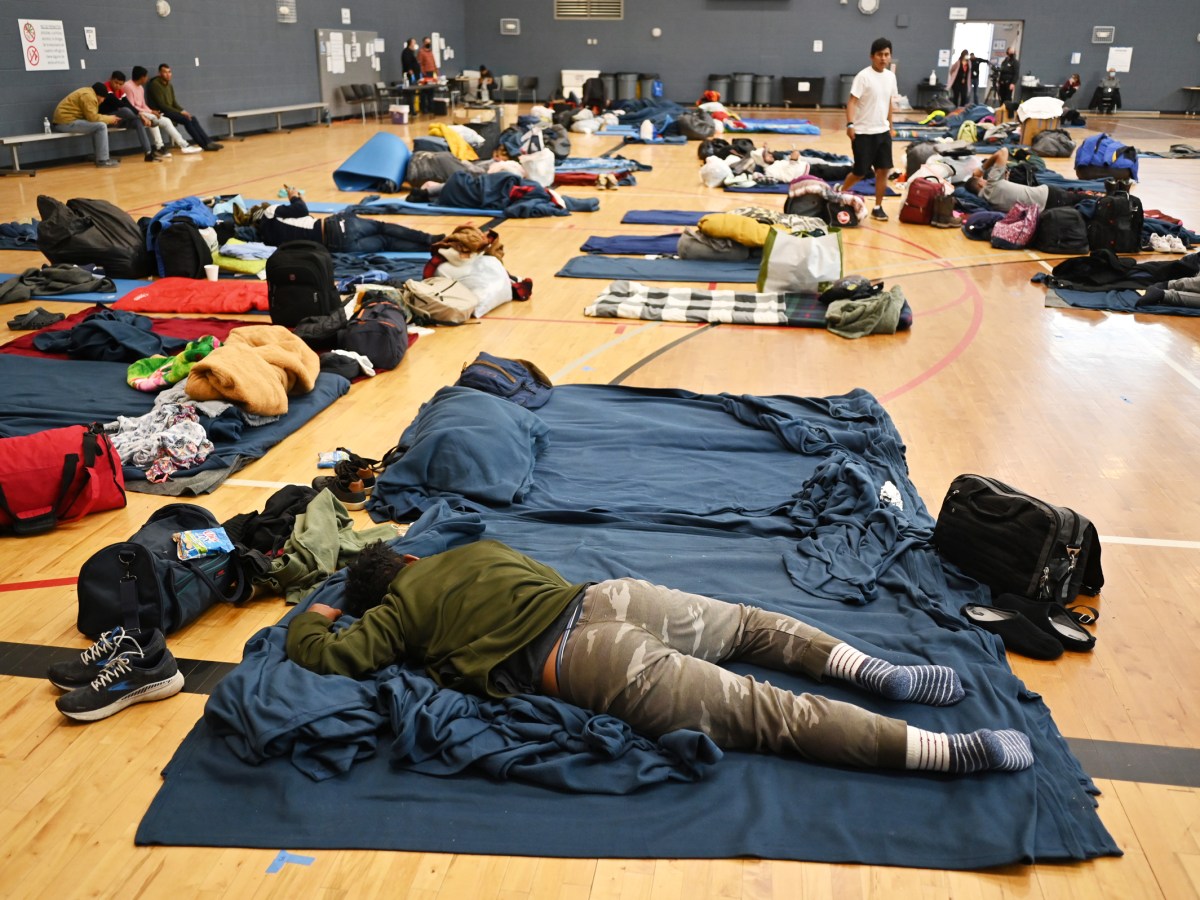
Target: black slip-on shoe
(1018, 633)
(1051, 618)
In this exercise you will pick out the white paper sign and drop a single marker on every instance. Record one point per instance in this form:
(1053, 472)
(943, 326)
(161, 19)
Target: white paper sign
(943, 57)
(958, 13)
(336, 57)
(43, 44)
(378, 45)
(818, 46)
(1120, 58)
(89, 35)
(345, 16)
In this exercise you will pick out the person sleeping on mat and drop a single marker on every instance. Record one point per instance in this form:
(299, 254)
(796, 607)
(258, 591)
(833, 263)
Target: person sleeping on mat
(344, 232)
(487, 619)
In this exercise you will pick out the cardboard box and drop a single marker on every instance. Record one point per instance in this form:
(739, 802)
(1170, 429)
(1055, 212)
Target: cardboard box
(1031, 128)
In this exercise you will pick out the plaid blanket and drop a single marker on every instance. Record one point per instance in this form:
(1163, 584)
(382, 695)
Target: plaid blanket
(634, 300)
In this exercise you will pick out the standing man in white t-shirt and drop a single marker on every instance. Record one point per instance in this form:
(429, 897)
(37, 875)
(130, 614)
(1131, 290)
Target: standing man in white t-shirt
(869, 123)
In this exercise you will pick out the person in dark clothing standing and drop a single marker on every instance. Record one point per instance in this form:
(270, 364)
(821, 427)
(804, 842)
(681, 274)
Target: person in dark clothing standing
(160, 94)
(408, 62)
(959, 83)
(977, 64)
(1006, 78)
(345, 232)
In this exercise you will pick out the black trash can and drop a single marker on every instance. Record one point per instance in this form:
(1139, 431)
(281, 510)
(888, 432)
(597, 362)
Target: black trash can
(610, 85)
(845, 83)
(743, 89)
(720, 84)
(764, 88)
(627, 85)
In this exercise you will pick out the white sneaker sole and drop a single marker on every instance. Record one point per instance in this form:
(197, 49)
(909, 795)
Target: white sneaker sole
(158, 690)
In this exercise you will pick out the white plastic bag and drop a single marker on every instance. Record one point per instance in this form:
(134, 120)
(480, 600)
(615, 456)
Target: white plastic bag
(800, 264)
(539, 167)
(714, 171)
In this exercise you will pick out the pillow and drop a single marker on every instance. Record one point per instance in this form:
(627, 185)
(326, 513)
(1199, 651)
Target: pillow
(742, 229)
(463, 443)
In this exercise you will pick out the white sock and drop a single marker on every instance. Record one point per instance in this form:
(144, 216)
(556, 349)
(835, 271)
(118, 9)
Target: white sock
(932, 685)
(960, 754)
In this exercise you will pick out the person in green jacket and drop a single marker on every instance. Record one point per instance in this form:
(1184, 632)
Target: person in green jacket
(487, 619)
(160, 96)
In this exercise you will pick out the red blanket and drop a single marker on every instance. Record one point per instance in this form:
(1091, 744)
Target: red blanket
(191, 295)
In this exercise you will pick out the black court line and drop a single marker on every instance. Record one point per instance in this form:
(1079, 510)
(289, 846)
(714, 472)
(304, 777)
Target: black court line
(660, 351)
(1106, 760)
(492, 223)
(608, 153)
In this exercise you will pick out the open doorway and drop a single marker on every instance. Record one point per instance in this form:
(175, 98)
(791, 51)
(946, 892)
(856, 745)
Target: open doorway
(989, 41)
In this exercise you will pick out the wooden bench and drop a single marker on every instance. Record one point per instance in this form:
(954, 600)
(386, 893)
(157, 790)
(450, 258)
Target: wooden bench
(12, 141)
(320, 108)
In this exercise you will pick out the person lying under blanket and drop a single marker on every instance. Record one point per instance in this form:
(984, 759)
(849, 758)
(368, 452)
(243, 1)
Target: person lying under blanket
(487, 619)
(344, 232)
(517, 197)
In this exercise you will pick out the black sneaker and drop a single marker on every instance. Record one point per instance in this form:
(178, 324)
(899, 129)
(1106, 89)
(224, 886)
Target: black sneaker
(213, 145)
(878, 214)
(80, 671)
(346, 485)
(365, 467)
(151, 156)
(126, 680)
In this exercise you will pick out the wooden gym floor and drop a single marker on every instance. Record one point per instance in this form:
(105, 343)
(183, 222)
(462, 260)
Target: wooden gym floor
(1097, 411)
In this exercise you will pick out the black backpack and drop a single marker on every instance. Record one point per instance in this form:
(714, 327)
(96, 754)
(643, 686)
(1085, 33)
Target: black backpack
(83, 231)
(1025, 173)
(142, 582)
(1061, 230)
(300, 282)
(182, 251)
(1117, 223)
(378, 331)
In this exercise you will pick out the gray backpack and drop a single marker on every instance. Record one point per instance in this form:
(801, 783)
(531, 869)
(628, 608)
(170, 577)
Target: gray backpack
(1053, 142)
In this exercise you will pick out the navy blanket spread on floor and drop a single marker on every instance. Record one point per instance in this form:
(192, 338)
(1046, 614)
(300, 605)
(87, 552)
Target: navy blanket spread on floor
(662, 217)
(286, 759)
(1117, 301)
(631, 244)
(706, 270)
(50, 393)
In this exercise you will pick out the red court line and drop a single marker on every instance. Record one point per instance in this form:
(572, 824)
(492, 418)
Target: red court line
(34, 585)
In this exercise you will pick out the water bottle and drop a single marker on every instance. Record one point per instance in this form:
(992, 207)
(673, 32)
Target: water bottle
(46, 125)
(933, 76)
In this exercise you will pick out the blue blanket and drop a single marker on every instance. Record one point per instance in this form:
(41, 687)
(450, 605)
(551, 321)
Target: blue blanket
(50, 393)
(704, 270)
(865, 187)
(632, 244)
(1117, 301)
(829, 457)
(123, 287)
(662, 217)
(770, 126)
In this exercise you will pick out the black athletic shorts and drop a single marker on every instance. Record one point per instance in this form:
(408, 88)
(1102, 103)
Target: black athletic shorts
(871, 152)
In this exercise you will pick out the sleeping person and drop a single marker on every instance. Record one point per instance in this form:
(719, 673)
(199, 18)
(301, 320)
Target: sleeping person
(344, 232)
(486, 619)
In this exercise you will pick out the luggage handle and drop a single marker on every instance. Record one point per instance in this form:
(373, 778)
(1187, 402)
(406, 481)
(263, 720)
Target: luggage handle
(44, 521)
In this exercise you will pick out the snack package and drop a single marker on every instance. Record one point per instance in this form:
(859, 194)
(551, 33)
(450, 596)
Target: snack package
(331, 458)
(194, 544)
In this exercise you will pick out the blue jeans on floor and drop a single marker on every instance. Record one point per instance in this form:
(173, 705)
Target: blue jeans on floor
(98, 131)
(348, 233)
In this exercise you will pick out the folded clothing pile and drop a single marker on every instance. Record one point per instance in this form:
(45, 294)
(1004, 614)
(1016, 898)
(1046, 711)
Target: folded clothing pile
(257, 368)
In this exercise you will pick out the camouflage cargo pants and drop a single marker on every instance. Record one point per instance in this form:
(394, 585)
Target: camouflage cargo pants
(651, 655)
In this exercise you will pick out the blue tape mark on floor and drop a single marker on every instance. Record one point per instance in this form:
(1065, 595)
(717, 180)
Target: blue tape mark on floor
(284, 858)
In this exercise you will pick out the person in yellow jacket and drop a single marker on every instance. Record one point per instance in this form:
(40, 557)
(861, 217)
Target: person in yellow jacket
(79, 113)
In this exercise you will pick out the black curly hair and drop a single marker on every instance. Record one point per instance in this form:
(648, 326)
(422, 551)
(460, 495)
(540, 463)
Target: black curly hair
(369, 577)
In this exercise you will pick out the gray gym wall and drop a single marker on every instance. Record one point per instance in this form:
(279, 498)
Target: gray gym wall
(247, 58)
(775, 37)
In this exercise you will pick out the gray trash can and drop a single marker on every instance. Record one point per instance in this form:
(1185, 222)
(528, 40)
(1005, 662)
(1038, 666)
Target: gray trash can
(627, 85)
(743, 89)
(652, 88)
(844, 85)
(720, 84)
(610, 85)
(764, 87)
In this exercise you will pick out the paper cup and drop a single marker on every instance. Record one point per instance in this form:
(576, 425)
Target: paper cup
(210, 272)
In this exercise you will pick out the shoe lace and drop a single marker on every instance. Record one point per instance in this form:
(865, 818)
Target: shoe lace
(114, 669)
(106, 644)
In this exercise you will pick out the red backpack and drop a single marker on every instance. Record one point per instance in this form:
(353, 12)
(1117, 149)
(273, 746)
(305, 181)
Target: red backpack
(918, 202)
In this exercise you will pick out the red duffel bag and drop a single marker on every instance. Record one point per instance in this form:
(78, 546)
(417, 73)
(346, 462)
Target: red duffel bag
(56, 476)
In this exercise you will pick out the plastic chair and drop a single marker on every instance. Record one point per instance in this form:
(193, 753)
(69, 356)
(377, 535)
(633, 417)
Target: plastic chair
(527, 83)
(353, 97)
(370, 94)
(509, 83)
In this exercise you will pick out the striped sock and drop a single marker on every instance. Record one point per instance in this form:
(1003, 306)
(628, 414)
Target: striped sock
(959, 754)
(931, 685)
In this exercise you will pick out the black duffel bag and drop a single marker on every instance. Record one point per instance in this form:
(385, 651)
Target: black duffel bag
(142, 583)
(1018, 544)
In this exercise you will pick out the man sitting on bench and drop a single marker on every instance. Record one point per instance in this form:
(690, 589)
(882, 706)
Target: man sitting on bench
(79, 113)
(160, 94)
